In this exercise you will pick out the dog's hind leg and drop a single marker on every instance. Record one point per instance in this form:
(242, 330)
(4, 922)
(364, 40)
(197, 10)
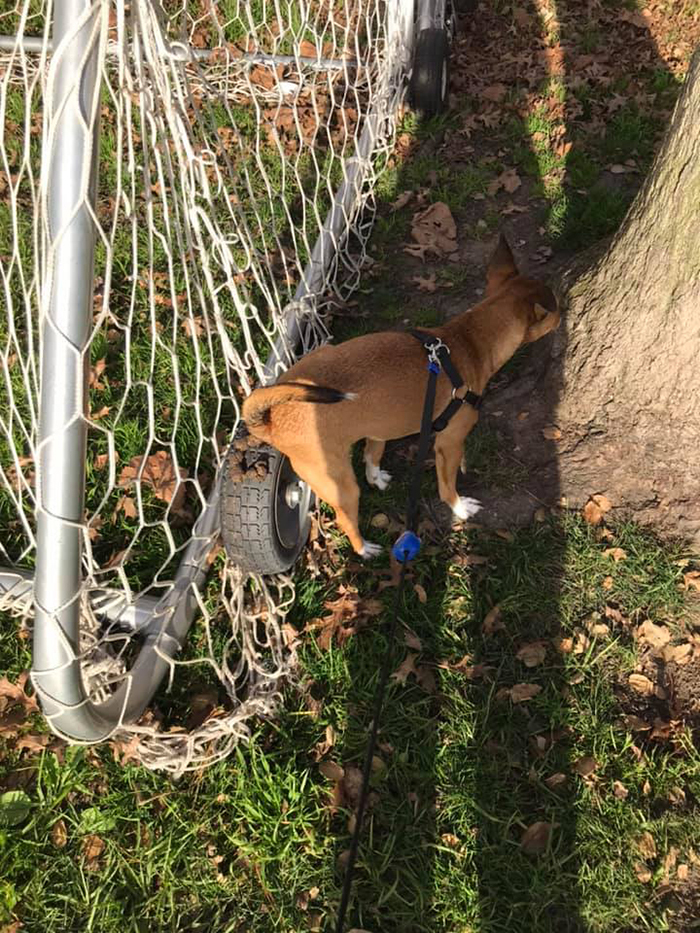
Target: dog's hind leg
(374, 450)
(449, 453)
(334, 481)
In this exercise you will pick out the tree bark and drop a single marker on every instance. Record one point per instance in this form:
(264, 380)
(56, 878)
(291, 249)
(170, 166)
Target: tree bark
(621, 378)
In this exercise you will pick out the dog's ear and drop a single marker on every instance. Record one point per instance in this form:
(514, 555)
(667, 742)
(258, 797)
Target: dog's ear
(543, 319)
(501, 267)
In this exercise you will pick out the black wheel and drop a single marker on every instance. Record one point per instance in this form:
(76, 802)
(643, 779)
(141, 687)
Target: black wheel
(265, 508)
(431, 72)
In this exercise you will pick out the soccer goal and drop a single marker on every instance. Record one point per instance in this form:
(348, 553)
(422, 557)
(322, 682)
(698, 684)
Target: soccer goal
(185, 190)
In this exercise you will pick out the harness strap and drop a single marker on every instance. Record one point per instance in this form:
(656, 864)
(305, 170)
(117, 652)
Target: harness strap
(435, 346)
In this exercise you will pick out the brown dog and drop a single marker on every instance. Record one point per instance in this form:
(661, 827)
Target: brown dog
(373, 387)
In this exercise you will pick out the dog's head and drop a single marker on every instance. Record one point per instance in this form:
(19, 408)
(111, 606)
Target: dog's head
(535, 300)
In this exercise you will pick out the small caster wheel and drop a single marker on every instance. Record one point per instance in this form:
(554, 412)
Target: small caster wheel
(265, 508)
(431, 72)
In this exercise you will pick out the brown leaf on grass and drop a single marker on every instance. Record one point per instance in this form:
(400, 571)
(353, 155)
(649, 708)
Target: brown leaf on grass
(648, 633)
(617, 553)
(124, 751)
(193, 327)
(646, 846)
(641, 684)
(683, 872)
(494, 92)
(434, 231)
(509, 181)
(158, 472)
(607, 583)
(620, 790)
(691, 580)
(325, 745)
(428, 284)
(420, 593)
(595, 509)
(521, 693)
(642, 872)
(532, 653)
(15, 692)
(128, 506)
(585, 766)
(535, 839)
(563, 645)
(493, 621)
(411, 640)
(407, 668)
(555, 780)
(92, 848)
(59, 834)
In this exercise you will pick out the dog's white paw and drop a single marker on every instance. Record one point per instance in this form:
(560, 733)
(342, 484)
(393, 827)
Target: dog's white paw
(377, 477)
(370, 550)
(465, 507)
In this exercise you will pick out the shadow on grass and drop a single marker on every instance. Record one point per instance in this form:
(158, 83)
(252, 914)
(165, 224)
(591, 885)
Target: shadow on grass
(474, 817)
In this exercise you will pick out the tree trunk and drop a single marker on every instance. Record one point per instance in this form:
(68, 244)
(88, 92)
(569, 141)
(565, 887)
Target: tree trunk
(621, 379)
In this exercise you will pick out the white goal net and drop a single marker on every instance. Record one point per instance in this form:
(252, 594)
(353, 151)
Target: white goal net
(185, 188)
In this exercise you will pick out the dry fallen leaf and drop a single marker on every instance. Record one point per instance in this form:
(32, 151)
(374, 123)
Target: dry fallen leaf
(532, 654)
(92, 847)
(420, 593)
(520, 693)
(551, 433)
(682, 872)
(555, 780)
(59, 834)
(642, 872)
(585, 766)
(411, 640)
(428, 284)
(616, 553)
(648, 633)
(535, 839)
(607, 583)
(493, 621)
(595, 509)
(680, 654)
(620, 790)
(641, 684)
(434, 231)
(407, 668)
(646, 846)
(159, 473)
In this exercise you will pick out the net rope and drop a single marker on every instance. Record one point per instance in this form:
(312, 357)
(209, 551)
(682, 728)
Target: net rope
(224, 130)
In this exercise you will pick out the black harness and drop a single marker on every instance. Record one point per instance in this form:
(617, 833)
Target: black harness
(439, 358)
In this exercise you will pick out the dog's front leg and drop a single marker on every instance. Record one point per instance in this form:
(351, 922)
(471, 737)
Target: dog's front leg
(449, 453)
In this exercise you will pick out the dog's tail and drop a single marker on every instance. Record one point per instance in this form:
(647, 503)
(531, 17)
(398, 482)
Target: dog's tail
(256, 408)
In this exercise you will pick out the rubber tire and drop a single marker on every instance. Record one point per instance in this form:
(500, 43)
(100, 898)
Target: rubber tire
(248, 525)
(431, 57)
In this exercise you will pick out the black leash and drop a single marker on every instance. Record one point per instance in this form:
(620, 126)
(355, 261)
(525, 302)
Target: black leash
(404, 550)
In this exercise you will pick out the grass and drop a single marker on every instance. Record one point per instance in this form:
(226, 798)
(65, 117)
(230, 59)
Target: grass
(252, 843)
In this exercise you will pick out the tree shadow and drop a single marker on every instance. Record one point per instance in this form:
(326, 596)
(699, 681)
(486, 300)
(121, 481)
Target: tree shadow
(473, 819)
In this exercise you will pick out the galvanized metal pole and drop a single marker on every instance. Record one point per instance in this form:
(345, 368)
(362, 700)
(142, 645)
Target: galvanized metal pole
(68, 189)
